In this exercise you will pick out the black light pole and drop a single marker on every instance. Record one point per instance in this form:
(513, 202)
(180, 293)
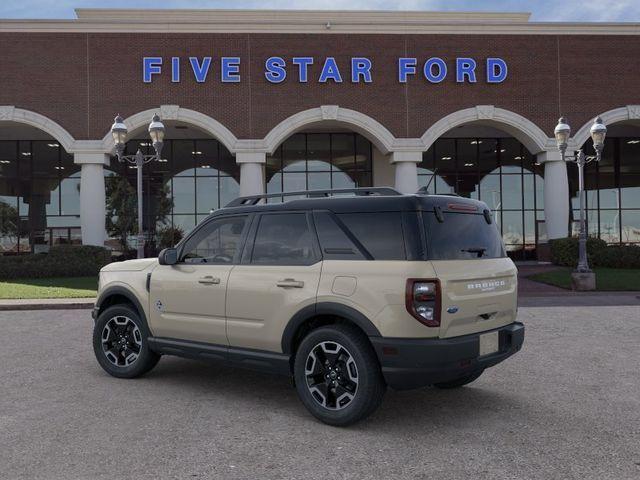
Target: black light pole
(598, 132)
(156, 132)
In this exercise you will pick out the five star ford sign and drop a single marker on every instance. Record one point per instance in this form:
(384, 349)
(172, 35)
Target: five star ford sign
(361, 69)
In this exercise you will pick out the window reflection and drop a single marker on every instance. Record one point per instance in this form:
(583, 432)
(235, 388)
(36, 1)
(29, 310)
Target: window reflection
(319, 161)
(193, 177)
(612, 191)
(39, 196)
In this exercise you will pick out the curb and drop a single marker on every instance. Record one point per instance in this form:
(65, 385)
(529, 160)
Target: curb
(46, 304)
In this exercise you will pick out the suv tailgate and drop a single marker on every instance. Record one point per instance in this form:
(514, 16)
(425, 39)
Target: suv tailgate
(476, 295)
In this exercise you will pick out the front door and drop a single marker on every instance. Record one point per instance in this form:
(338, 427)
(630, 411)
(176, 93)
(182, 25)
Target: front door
(279, 276)
(187, 300)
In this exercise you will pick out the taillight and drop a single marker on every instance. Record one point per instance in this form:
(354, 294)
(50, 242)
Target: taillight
(423, 301)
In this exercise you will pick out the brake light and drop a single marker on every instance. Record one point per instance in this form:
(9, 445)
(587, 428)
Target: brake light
(462, 207)
(423, 301)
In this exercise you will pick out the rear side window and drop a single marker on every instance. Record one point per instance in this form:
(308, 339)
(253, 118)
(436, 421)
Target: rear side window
(462, 236)
(380, 233)
(334, 241)
(284, 239)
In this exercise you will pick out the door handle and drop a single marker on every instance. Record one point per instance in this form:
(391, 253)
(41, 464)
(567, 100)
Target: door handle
(209, 280)
(290, 283)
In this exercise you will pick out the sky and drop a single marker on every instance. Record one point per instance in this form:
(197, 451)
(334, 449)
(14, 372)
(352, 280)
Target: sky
(542, 10)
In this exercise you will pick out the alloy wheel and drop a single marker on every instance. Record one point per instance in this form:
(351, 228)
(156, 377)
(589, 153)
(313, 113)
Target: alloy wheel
(121, 341)
(332, 375)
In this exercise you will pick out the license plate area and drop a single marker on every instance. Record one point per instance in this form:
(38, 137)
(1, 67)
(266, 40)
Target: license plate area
(489, 343)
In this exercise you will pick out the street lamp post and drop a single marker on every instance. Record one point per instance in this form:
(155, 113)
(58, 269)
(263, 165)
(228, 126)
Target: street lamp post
(583, 277)
(156, 132)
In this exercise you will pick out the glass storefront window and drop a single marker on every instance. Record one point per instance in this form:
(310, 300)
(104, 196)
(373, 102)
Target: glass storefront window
(39, 196)
(612, 189)
(193, 177)
(630, 222)
(319, 161)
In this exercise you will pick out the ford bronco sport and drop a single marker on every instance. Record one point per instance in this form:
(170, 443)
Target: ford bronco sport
(346, 294)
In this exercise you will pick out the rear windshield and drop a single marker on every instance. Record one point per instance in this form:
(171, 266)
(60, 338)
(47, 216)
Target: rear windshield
(462, 236)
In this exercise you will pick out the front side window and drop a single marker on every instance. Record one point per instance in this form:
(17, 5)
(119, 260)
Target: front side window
(284, 239)
(218, 242)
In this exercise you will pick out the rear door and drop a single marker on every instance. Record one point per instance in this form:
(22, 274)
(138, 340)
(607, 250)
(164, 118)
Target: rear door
(478, 281)
(278, 276)
(188, 299)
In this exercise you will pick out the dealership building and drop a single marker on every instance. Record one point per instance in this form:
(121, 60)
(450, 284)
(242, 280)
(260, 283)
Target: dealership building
(276, 101)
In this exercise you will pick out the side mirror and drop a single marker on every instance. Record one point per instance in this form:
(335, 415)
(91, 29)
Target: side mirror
(168, 256)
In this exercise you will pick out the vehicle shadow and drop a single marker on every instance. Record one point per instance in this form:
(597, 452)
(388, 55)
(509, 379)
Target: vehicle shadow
(252, 390)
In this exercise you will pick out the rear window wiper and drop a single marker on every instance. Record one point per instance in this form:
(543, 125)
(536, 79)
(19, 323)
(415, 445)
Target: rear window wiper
(477, 250)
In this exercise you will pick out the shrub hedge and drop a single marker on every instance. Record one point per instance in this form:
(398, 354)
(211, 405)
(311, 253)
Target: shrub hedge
(565, 252)
(61, 261)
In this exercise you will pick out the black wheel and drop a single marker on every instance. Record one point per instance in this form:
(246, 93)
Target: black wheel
(338, 376)
(120, 343)
(459, 382)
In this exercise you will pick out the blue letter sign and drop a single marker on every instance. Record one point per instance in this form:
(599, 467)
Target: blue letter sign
(150, 66)
(330, 71)
(325, 70)
(428, 70)
(200, 70)
(303, 66)
(406, 66)
(360, 67)
(496, 70)
(275, 69)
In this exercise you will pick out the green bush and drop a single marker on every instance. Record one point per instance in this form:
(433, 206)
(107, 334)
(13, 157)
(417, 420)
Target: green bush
(619, 256)
(565, 252)
(61, 261)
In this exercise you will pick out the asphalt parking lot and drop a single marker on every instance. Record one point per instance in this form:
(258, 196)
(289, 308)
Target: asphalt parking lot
(567, 406)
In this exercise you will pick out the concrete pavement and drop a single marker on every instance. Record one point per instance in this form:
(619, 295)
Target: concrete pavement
(567, 406)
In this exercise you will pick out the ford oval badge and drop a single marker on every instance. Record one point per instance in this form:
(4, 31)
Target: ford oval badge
(453, 309)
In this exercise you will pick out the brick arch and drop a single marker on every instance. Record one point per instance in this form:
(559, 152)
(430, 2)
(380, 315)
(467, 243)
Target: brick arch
(177, 113)
(616, 115)
(373, 130)
(521, 128)
(9, 113)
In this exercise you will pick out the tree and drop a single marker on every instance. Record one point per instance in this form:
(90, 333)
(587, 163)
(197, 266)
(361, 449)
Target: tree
(122, 209)
(9, 223)
(8, 220)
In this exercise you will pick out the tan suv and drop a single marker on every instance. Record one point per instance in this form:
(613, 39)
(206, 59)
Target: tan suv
(346, 294)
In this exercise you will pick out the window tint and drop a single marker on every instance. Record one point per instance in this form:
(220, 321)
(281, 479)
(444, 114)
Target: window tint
(334, 242)
(462, 236)
(380, 233)
(283, 239)
(218, 242)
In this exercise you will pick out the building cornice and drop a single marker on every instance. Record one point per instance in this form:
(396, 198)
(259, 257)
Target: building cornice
(318, 22)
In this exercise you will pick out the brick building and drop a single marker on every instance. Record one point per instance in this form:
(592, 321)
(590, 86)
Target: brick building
(277, 101)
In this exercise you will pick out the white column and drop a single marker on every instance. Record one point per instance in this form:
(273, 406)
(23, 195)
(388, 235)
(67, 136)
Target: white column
(92, 197)
(556, 194)
(406, 164)
(251, 172)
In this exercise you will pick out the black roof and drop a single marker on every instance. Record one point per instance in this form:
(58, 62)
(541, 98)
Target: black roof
(372, 203)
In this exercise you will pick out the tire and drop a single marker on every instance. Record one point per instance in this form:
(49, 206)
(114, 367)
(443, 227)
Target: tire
(337, 375)
(459, 382)
(120, 343)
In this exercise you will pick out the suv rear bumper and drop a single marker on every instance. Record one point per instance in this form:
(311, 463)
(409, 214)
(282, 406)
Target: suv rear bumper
(416, 362)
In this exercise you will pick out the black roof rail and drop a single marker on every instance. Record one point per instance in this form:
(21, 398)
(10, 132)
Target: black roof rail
(363, 191)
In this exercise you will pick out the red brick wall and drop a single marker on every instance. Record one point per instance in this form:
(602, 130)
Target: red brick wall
(82, 80)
